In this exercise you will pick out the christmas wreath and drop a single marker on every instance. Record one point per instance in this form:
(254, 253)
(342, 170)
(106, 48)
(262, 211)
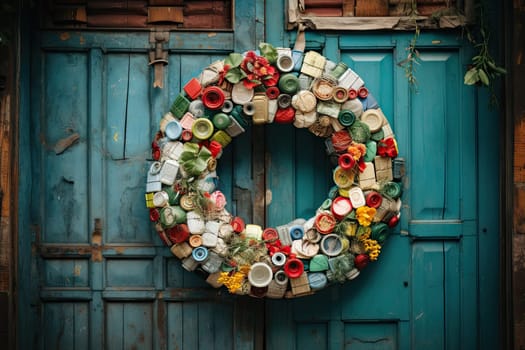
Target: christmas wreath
(275, 85)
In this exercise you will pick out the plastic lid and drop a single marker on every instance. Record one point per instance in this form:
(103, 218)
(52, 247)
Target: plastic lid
(272, 92)
(260, 275)
(213, 97)
(293, 268)
(196, 108)
(173, 130)
(331, 245)
(285, 63)
(199, 254)
(288, 83)
(202, 128)
(325, 222)
(195, 241)
(343, 178)
(241, 94)
(341, 207)
(270, 234)
(221, 121)
(319, 263)
(346, 117)
(317, 280)
(179, 233)
(374, 118)
(357, 197)
(278, 259)
(346, 161)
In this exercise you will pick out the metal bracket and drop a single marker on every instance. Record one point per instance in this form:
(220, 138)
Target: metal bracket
(158, 55)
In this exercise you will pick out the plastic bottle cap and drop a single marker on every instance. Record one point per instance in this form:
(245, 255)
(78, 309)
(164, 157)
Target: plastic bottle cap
(361, 260)
(346, 161)
(340, 94)
(317, 280)
(352, 94)
(213, 97)
(304, 248)
(357, 197)
(325, 223)
(270, 234)
(374, 118)
(200, 254)
(221, 121)
(160, 199)
(373, 199)
(281, 278)
(379, 232)
(227, 106)
(331, 245)
(323, 89)
(260, 274)
(195, 241)
(154, 214)
(196, 108)
(173, 130)
(391, 189)
(341, 207)
(272, 92)
(248, 108)
(285, 63)
(293, 268)
(319, 263)
(343, 178)
(202, 128)
(288, 83)
(237, 224)
(362, 92)
(278, 259)
(296, 232)
(284, 100)
(346, 117)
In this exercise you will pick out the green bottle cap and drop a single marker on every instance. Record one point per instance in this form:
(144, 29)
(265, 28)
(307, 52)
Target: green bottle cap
(392, 190)
(288, 84)
(346, 117)
(379, 232)
(221, 121)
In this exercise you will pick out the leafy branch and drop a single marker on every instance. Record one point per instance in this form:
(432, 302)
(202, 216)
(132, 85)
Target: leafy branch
(412, 59)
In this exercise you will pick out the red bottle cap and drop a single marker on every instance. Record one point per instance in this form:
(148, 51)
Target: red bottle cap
(393, 221)
(237, 224)
(361, 260)
(346, 161)
(270, 234)
(362, 92)
(273, 92)
(285, 115)
(352, 94)
(213, 97)
(325, 223)
(178, 233)
(154, 214)
(293, 268)
(341, 207)
(186, 135)
(373, 199)
(215, 148)
(193, 88)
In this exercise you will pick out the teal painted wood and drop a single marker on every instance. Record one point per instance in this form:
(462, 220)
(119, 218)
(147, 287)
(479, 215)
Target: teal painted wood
(130, 293)
(435, 300)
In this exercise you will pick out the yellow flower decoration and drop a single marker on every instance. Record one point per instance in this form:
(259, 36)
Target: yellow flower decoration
(365, 215)
(357, 150)
(234, 282)
(371, 246)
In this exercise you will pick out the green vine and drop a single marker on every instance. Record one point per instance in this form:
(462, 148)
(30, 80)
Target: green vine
(412, 59)
(483, 69)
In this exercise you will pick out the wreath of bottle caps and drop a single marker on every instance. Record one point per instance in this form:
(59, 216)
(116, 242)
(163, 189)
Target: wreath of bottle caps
(275, 85)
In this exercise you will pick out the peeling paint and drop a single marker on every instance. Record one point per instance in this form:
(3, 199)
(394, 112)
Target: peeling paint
(115, 136)
(65, 36)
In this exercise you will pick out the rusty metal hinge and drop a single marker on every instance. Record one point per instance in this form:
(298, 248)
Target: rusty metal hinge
(158, 55)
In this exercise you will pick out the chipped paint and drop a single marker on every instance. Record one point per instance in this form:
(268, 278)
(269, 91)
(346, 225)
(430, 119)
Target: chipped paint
(115, 136)
(211, 35)
(65, 36)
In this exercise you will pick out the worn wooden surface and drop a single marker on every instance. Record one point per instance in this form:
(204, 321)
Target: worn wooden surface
(517, 106)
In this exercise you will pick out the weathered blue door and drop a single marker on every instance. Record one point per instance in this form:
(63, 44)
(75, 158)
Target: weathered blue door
(93, 272)
(94, 275)
(435, 284)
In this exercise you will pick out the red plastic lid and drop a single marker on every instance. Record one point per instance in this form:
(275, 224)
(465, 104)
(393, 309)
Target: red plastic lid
(361, 260)
(373, 199)
(346, 161)
(293, 268)
(213, 97)
(341, 140)
(352, 93)
(273, 92)
(154, 214)
(186, 135)
(393, 221)
(325, 223)
(215, 148)
(193, 88)
(362, 92)
(285, 115)
(237, 224)
(270, 234)
(341, 207)
(178, 233)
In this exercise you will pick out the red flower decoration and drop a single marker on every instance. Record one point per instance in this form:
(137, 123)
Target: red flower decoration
(387, 148)
(258, 71)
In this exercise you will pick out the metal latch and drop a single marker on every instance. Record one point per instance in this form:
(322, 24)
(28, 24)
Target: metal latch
(158, 55)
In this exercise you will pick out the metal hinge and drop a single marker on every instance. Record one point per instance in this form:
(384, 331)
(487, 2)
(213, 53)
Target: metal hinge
(158, 55)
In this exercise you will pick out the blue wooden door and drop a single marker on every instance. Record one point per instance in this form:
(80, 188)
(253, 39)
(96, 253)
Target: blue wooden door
(93, 272)
(435, 283)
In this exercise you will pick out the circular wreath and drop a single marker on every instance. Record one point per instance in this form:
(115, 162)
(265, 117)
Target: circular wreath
(275, 85)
